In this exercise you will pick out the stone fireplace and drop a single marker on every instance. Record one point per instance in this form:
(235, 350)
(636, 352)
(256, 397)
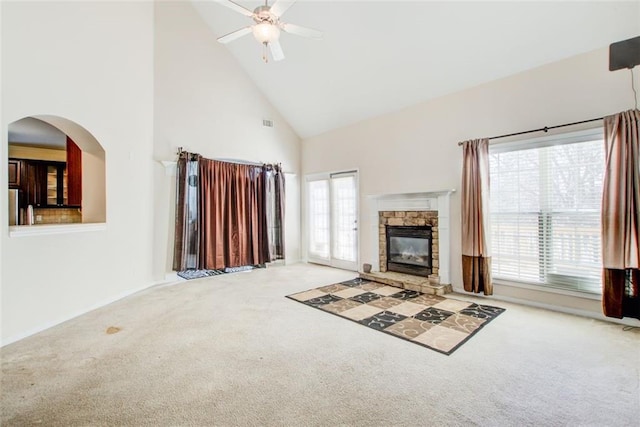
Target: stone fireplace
(408, 242)
(426, 211)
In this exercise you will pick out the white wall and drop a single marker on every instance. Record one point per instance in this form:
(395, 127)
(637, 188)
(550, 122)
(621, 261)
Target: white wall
(415, 150)
(4, 194)
(205, 103)
(92, 63)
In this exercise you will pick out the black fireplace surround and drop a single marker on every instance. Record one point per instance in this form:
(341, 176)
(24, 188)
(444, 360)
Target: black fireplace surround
(409, 249)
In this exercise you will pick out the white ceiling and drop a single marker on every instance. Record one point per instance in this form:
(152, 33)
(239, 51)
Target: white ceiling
(381, 56)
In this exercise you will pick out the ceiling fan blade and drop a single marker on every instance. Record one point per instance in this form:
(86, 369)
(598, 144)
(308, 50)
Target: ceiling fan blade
(276, 50)
(302, 31)
(281, 6)
(234, 35)
(234, 6)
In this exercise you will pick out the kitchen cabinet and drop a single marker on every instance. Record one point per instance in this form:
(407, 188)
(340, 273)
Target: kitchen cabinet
(34, 182)
(56, 184)
(49, 183)
(44, 184)
(15, 171)
(74, 174)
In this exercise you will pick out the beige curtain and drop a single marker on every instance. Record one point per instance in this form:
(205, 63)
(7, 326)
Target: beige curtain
(476, 260)
(621, 216)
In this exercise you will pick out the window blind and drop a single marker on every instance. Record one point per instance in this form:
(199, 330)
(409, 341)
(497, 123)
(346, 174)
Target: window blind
(545, 210)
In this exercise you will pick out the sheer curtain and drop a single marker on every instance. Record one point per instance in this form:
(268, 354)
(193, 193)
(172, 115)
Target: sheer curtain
(187, 238)
(274, 198)
(621, 216)
(476, 260)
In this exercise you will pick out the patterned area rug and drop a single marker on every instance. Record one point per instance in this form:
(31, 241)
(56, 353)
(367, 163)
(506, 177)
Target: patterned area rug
(198, 274)
(441, 324)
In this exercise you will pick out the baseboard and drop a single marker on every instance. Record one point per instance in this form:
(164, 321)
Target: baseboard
(171, 277)
(558, 308)
(51, 324)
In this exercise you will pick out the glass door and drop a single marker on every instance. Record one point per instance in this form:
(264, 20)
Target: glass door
(333, 220)
(319, 231)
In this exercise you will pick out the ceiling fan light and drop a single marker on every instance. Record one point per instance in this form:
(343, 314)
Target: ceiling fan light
(265, 32)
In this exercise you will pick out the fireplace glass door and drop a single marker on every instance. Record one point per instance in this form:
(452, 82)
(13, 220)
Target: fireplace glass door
(409, 249)
(333, 220)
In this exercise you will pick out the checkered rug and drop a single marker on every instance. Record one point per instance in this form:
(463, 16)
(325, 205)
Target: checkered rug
(439, 323)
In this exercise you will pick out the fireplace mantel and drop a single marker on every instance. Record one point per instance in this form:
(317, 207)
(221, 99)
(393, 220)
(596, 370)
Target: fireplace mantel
(423, 201)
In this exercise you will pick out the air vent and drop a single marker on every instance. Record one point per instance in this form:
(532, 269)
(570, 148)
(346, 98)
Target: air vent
(267, 123)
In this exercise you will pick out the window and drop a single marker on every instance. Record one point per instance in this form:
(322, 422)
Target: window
(545, 210)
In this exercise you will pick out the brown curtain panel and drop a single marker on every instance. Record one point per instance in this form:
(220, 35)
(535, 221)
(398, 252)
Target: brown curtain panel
(476, 261)
(186, 244)
(621, 216)
(232, 215)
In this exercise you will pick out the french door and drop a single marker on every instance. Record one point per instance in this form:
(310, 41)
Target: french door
(332, 218)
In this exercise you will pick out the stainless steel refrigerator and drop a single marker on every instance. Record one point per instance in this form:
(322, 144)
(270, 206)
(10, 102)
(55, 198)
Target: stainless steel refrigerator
(14, 207)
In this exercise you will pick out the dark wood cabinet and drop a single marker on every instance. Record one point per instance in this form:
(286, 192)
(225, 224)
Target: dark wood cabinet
(15, 173)
(34, 179)
(44, 184)
(47, 183)
(56, 184)
(74, 174)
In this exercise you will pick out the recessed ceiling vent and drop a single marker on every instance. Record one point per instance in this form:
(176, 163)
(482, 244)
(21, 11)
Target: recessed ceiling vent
(267, 123)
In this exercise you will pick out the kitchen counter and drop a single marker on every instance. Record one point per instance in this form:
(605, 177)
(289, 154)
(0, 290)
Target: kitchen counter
(47, 229)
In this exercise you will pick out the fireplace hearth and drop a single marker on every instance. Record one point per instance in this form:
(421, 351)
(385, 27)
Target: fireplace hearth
(409, 249)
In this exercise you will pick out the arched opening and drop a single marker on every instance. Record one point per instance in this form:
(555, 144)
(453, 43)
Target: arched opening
(56, 172)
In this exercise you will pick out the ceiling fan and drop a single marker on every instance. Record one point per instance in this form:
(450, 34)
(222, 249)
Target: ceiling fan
(267, 26)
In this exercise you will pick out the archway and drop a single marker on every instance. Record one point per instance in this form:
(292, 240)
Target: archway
(91, 156)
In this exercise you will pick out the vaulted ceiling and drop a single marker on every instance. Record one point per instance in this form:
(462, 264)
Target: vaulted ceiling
(381, 56)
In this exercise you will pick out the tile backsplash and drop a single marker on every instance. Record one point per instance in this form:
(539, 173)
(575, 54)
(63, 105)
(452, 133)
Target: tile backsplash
(57, 215)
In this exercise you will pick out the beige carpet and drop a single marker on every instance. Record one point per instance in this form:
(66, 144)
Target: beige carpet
(231, 350)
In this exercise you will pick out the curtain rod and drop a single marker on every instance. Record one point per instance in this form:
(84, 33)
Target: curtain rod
(545, 129)
(239, 162)
(236, 161)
